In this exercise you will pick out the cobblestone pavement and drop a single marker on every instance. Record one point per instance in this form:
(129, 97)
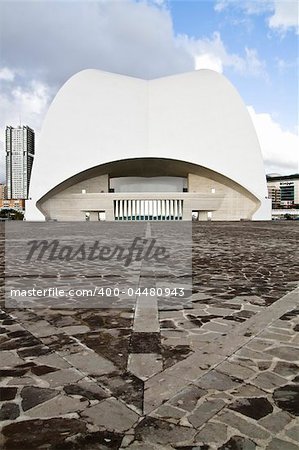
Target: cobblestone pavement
(217, 372)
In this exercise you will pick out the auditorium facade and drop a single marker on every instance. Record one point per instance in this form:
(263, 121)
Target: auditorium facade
(118, 148)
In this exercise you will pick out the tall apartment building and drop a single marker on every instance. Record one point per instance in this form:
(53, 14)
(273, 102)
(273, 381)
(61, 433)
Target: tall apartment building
(19, 160)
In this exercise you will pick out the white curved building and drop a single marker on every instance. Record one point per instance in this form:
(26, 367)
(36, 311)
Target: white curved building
(123, 148)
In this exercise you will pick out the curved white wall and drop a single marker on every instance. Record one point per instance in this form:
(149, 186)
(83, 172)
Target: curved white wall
(98, 117)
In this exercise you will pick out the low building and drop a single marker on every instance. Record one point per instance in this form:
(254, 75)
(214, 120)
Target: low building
(18, 204)
(283, 190)
(3, 191)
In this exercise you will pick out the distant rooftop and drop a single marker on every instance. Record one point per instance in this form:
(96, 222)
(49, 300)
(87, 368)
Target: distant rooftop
(273, 177)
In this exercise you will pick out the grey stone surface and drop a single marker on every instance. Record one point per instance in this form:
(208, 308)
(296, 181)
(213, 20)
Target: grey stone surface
(248, 390)
(286, 369)
(276, 422)
(89, 389)
(146, 446)
(243, 425)
(23, 381)
(256, 408)
(160, 388)
(287, 353)
(213, 326)
(247, 293)
(76, 329)
(212, 432)
(187, 399)
(42, 328)
(293, 433)
(146, 318)
(268, 381)
(90, 363)
(168, 412)
(145, 365)
(32, 396)
(53, 360)
(193, 366)
(280, 444)
(275, 336)
(112, 414)
(9, 411)
(235, 370)
(163, 433)
(218, 381)
(205, 411)
(238, 443)
(57, 406)
(62, 377)
(9, 358)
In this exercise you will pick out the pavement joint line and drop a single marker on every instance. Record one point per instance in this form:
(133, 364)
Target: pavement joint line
(258, 323)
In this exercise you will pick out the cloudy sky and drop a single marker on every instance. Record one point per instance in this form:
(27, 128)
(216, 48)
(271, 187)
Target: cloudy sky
(252, 42)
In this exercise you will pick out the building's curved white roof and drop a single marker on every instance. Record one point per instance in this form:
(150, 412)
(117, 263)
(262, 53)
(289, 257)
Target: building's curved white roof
(98, 117)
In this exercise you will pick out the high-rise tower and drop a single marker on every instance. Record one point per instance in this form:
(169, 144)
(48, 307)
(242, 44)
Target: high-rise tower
(19, 160)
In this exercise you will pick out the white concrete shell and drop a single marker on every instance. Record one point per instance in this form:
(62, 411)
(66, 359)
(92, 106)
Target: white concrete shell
(99, 117)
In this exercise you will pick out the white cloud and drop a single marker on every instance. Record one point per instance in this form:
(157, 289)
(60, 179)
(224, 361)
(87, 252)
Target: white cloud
(284, 65)
(208, 61)
(6, 74)
(248, 6)
(33, 100)
(279, 147)
(56, 39)
(253, 65)
(211, 53)
(26, 105)
(127, 37)
(285, 16)
(282, 14)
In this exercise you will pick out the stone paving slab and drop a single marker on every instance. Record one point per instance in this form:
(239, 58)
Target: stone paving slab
(144, 365)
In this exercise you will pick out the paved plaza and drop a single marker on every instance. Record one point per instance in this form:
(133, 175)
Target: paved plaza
(217, 370)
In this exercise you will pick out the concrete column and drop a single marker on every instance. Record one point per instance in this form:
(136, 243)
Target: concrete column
(121, 210)
(202, 215)
(186, 208)
(171, 208)
(94, 216)
(134, 208)
(181, 209)
(175, 209)
(150, 208)
(155, 213)
(110, 214)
